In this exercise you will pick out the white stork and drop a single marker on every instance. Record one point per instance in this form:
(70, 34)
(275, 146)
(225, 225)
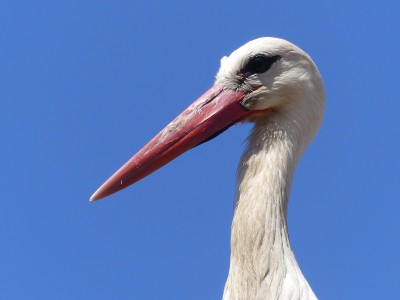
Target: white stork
(275, 85)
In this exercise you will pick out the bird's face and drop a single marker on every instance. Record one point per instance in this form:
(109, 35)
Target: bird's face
(275, 75)
(265, 76)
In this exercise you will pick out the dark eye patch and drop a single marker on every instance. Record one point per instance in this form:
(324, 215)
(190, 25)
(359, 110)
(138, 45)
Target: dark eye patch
(259, 63)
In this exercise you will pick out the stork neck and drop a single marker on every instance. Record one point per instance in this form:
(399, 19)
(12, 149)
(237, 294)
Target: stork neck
(262, 262)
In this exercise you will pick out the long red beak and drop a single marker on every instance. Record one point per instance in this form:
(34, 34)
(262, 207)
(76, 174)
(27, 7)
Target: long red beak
(212, 113)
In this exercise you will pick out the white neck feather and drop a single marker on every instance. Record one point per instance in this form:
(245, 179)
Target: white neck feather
(262, 262)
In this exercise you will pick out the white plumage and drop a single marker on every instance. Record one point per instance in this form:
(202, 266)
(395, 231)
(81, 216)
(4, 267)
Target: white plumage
(262, 263)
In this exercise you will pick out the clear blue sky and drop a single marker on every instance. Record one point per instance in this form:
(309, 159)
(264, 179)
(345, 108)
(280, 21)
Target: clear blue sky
(85, 84)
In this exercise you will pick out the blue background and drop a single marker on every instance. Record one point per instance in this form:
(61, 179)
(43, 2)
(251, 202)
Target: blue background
(85, 84)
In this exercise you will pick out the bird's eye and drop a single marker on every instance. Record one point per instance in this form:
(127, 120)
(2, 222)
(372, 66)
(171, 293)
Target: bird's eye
(260, 63)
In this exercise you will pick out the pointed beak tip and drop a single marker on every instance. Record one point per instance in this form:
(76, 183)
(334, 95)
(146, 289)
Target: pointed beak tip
(95, 197)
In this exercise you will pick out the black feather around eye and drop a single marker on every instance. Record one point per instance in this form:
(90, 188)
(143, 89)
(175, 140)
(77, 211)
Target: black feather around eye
(259, 64)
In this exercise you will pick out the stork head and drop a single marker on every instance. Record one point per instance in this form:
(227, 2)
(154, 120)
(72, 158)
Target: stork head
(276, 76)
(265, 77)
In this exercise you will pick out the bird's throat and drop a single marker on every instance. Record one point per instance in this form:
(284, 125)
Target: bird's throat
(262, 261)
